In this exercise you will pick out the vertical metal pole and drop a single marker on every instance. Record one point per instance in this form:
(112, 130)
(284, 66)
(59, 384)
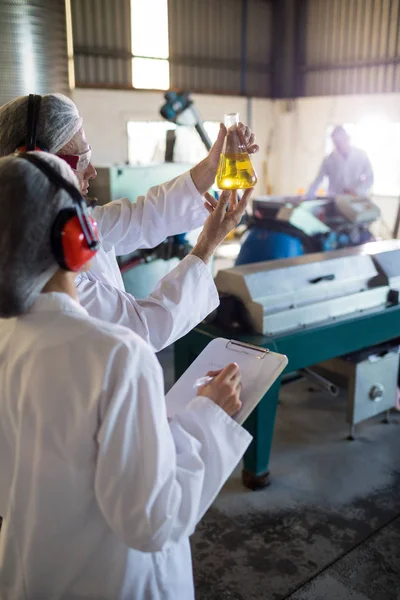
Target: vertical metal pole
(359, 75)
(333, 56)
(289, 19)
(386, 67)
(249, 106)
(379, 33)
(358, 25)
(396, 65)
(371, 30)
(349, 55)
(277, 74)
(300, 34)
(316, 45)
(354, 28)
(243, 60)
(340, 42)
(326, 57)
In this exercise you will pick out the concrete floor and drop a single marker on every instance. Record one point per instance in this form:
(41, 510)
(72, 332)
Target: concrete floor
(327, 528)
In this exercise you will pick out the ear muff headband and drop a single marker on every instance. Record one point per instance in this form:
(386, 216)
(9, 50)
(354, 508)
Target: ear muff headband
(74, 234)
(32, 120)
(34, 102)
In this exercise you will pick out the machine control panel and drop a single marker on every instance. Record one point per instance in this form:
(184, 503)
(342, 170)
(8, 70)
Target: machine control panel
(357, 210)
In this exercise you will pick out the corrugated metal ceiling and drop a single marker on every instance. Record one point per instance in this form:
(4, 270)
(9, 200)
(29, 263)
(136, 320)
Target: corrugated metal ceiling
(220, 46)
(102, 42)
(352, 46)
(224, 46)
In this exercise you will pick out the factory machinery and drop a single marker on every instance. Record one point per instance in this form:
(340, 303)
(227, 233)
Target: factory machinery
(281, 227)
(336, 312)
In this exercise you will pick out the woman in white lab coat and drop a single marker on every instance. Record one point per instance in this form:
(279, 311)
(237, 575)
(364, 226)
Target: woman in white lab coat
(99, 492)
(182, 298)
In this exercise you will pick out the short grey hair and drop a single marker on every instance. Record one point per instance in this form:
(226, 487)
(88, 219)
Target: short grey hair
(59, 121)
(29, 204)
(340, 130)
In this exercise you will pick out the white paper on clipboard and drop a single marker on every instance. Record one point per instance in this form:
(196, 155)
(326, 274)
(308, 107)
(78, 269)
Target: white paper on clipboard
(259, 369)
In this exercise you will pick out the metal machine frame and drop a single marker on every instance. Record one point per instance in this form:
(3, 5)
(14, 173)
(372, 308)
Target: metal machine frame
(323, 343)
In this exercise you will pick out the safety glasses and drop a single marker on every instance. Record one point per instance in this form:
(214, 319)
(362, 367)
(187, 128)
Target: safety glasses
(78, 162)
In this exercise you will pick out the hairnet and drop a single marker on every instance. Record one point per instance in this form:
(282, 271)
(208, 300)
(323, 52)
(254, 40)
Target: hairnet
(29, 203)
(59, 121)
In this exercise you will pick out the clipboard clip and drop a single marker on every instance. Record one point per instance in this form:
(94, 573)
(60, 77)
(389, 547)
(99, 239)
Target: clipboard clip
(255, 351)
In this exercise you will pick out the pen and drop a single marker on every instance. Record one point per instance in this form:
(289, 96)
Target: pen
(202, 381)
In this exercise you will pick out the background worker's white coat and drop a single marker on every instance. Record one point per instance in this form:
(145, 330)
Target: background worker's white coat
(183, 298)
(351, 172)
(98, 492)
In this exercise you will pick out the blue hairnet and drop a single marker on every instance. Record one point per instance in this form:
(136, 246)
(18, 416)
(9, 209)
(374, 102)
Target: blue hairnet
(59, 121)
(29, 204)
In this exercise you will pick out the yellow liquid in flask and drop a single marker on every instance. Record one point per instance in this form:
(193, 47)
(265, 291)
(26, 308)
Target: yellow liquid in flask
(235, 172)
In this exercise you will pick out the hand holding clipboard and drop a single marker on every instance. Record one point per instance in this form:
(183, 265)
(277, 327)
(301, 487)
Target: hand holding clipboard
(259, 369)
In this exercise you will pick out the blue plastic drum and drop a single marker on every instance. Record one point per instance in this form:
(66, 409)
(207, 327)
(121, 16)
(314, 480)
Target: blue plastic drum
(260, 245)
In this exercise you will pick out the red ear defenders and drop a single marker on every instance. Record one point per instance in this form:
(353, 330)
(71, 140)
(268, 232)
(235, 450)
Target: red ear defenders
(74, 236)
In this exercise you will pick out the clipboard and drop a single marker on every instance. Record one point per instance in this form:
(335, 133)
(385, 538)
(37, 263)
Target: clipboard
(259, 369)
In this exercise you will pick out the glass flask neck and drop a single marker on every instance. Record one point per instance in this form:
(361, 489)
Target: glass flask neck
(233, 143)
(231, 120)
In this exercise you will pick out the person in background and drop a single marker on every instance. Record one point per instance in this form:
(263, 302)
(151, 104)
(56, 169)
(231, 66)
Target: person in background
(348, 169)
(99, 492)
(184, 297)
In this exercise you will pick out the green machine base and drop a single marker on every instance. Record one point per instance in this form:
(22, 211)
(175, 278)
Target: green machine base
(303, 348)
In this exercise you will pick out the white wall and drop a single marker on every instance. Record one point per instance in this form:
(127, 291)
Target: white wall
(106, 113)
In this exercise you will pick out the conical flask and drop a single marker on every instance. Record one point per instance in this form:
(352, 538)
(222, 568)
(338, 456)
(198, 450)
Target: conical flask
(235, 171)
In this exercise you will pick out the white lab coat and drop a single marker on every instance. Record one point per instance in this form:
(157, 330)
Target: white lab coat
(183, 298)
(351, 172)
(99, 492)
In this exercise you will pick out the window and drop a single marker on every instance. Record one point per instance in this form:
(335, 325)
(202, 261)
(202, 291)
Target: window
(380, 138)
(147, 142)
(150, 48)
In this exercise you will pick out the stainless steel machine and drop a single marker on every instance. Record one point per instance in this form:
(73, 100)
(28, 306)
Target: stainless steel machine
(283, 297)
(369, 378)
(288, 226)
(289, 294)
